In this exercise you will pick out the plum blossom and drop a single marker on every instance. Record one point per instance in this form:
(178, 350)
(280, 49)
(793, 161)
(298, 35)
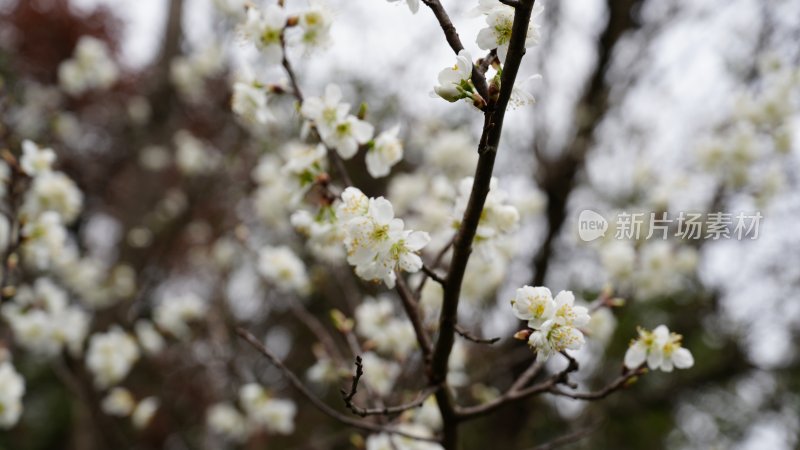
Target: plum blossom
(12, 388)
(326, 111)
(264, 411)
(556, 322)
(497, 220)
(91, 67)
(315, 25)
(173, 314)
(499, 21)
(111, 356)
(35, 159)
(249, 101)
(347, 134)
(279, 265)
(118, 402)
(384, 152)
(376, 242)
(660, 349)
(455, 82)
(225, 420)
(265, 30)
(144, 412)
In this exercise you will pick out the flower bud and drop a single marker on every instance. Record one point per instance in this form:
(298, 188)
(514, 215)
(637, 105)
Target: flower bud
(523, 335)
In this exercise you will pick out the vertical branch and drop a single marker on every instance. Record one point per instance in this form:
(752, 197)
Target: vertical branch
(462, 246)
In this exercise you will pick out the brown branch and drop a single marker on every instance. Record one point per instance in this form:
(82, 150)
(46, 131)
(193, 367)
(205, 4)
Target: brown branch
(517, 391)
(412, 311)
(318, 329)
(463, 332)
(348, 396)
(619, 383)
(383, 411)
(462, 246)
(295, 381)
(451, 34)
(433, 275)
(436, 261)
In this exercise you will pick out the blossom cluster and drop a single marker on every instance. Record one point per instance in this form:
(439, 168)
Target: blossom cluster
(660, 349)
(556, 322)
(377, 243)
(261, 411)
(91, 67)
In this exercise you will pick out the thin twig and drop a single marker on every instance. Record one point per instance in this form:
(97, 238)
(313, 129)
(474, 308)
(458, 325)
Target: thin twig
(568, 438)
(319, 404)
(436, 261)
(385, 410)
(470, 337)
(433, 275)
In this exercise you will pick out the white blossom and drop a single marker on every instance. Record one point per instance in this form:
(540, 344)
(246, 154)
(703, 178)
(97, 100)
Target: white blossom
(144, 412)
(150, 340)
(265, 30)
(35, 159)
(384, 152)
(387, 441)
(111, 356)
(326, 111)
(45, 237)
(347, 134)
(91, 67)
(660, 349)
(455, 82)
(315, 25)
(118, 402)
(377, 243)
(249, 101)
(12, 388)
(556, 322)
(173, 314)
(273, 414)
(279, 265)
(53, 191)
(499, 21)
(225, 420)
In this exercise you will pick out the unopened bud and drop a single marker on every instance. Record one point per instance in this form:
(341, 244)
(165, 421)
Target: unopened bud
(478, 101)
(616, 302)
(362, 111)
(523, 335)
(292, 21)
(341, 322)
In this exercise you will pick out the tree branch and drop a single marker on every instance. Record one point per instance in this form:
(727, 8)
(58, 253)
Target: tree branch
(412, 311)
(433, 275)
(383, 411)
(470, 337)
(319, 404)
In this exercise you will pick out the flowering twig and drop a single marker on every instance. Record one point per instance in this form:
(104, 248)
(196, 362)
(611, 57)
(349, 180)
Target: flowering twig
(298, 95)
(319, 404)
(451, 34)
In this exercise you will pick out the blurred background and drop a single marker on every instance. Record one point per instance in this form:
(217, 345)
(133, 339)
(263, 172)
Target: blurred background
(643, 106)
